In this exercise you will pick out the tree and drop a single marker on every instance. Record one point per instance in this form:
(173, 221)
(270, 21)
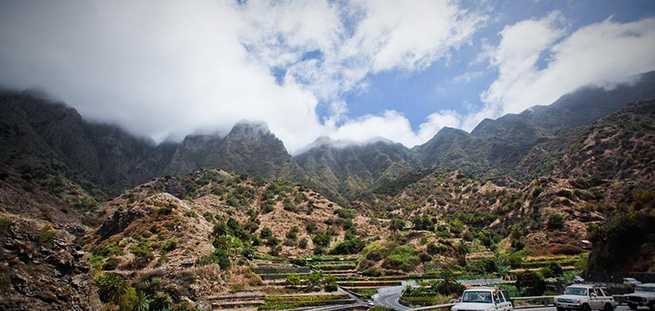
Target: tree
(397, 224)
(530, 283)
(555, 221)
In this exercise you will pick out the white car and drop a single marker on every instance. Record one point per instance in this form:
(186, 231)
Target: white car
(585, 298)
(483, 299)
(644, 295)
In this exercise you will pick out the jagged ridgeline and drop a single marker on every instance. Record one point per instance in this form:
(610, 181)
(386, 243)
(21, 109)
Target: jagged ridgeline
(92, 215)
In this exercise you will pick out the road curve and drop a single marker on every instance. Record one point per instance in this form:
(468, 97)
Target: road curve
(388, 297)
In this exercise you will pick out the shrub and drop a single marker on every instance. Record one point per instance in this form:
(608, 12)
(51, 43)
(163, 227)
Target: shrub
(165, 210)
(552, 270)
(5, 223)
(346, 213)
(111, 287)
(169, 245)
(266, 233)
(292, 234)
(322, 239)
(303, 243)
(434, 249)
(530, 283)
(348, 246)
(403, 257)
(46, 235)
(555, 221)
(311, 228)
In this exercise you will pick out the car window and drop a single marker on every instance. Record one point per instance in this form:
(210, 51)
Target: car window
(575, 291)
(477, 296)
(502, 296)
(497, 298)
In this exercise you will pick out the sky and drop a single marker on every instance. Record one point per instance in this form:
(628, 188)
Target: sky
(354, 71)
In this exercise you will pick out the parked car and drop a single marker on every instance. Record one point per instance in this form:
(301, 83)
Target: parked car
(483, 299)
(644, 295)
(631, 281)
(585, 298)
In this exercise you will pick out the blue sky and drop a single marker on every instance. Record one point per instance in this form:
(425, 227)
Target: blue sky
(351, 70)
(417, 94)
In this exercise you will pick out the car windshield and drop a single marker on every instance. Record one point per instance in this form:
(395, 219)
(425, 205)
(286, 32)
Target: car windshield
(576, 291)
(477, 296)
(645, 289)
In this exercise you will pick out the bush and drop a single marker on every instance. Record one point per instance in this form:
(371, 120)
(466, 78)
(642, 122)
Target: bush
(345, 213)
(265, 233)
(303, 243)
(166, 210)
(219, 256)
(169, 245)
(46, 235)
(552, 270)
(434, 249)
(311, 228)
(292, 234)
(530, 283)
(348, 246)
(322, 239)
(111, 287)
(403, 257)
(555, 222)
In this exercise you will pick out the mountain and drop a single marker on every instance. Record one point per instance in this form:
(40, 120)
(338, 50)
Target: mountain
(344, 170)
(38, 133)
(248, 149)
(495, 147)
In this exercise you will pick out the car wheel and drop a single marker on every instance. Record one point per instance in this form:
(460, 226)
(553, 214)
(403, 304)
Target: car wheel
(586, 307)
(652, 306)
(632, 306)
(608, 307)
(560, 309)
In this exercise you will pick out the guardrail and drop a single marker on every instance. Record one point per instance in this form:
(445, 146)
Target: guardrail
(445, 306)
(532, 301)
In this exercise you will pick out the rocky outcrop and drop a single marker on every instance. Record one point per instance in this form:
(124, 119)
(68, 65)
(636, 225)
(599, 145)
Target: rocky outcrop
(42, 268)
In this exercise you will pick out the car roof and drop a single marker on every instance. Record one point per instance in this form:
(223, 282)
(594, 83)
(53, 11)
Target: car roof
(482, 288)
(585, 286)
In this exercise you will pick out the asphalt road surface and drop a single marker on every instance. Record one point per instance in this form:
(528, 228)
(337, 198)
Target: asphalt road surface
(389, 296)
(619, 308)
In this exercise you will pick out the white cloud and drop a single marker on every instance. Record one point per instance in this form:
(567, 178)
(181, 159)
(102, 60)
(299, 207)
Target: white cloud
(173, 67)
(603, 53)
(394, 126)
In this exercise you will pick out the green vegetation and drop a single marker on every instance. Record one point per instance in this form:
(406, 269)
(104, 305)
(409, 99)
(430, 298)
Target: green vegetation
(403, 257)
(46, 235)
(555, 221)
(621, 238)
(292, 302)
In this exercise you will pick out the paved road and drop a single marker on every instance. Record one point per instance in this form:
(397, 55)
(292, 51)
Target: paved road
(619, 308)
(388, 297)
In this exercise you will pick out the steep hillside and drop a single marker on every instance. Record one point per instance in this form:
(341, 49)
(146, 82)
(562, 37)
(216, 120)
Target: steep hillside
(342, 171)
(40, 134)
(199, 233)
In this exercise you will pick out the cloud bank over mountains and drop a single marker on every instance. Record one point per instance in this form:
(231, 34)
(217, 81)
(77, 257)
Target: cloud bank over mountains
(170, 68)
